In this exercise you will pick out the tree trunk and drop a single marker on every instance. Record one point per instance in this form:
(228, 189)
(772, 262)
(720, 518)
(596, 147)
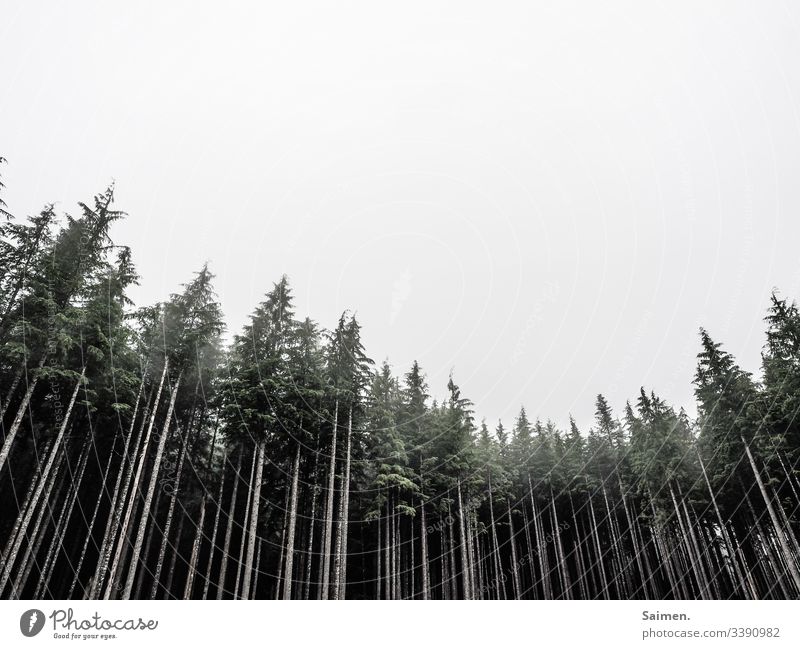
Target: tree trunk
(248, 569)
(5, 403)
(245, 526)
(213, 545)
(426, 594)
(223, 568)
(120, 497)
(732, 558)
(328, 538)
(55, 451)
(287, 582)
(514, 560)
(34, 538)
(137, 547)
(22, 510)
(176, 551)
(90, 530)
(340, 552)
(187, 591)
(173, 497)
(133, 494)
(60, 529)
(312, 515)
(12, 432)
(790, 563)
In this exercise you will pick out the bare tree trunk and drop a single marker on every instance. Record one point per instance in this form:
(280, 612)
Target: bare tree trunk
(55, 451)
(379, 557)
(254, 519)
(119, 498)
(426, 593)
(34, 538)
(213, 545)
(312, 515)
(732, 557)
(287, 583)
(465, 567)
(12, 432)
(173, 497)
(790, 563)
(443, 562)
(257, 571)
(498, 568)
(328, 538)
(340, 551)
(346, 496)
(223, 569)
(133, 493)
(541, 548)
(5, 403)
(694, 561)
(175, 552)
(90, 530)
(60, 529)
(514, 560)
(636, 549)
(21, 512)
(187, 591)
(453, 585)
(245, 527)
(600, 562)
(147, 545)
(386, 557)
(137, 547)
(278, 590)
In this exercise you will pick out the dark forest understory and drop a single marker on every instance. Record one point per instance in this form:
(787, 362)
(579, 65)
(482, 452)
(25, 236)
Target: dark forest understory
(143, 456)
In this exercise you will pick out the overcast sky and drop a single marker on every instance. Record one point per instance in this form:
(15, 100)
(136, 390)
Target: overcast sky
(549, 199)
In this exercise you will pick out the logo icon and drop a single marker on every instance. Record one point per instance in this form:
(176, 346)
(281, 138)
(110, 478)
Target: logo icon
(31, 622)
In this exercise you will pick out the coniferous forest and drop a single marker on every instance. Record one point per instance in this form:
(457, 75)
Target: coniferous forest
(149, 453)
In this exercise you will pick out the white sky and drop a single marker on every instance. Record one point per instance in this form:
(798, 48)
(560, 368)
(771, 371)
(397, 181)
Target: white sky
(549, 198)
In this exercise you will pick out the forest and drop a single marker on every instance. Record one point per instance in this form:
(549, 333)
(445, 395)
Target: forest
(148, 453)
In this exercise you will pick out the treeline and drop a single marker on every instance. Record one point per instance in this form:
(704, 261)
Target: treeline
(142, 457)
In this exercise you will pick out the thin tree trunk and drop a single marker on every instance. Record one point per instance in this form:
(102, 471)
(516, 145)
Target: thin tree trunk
(119, 499)
(465, 568)
(173, 497)
(346, 516)
(514, 560)
(12, 432)
(328, 539)
(55, 451)
(10, 394)
(187, 591)
(57, 542)
(223, 569)
(90, 530)
(312, 515)
(278, 582)
(498, 568)
(245, 526)
(174, 559)
(34, 538)
(426, 594)
(341, 533)
(133, 492)
(287, 583)
(254, 519)
(732, 556)
(790, 564)
(137, 547)
(213, 545)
